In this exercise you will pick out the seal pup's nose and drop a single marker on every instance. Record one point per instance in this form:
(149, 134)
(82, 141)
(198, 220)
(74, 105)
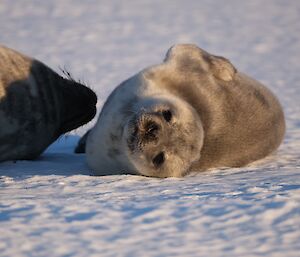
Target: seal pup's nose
(150, 130)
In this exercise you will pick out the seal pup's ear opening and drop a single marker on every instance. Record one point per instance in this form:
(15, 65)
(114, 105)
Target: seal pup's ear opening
(192, 58)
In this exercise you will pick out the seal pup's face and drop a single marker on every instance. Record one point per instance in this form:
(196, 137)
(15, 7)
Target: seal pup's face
(160, 137)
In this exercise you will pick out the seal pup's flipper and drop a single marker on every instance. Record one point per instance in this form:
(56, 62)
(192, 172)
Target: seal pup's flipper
(80, 148)
(192, 58)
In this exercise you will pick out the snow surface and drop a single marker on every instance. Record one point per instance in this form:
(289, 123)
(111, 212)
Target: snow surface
(52, 207)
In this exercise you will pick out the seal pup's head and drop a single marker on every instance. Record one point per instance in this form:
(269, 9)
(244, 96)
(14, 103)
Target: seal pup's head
(163, 137)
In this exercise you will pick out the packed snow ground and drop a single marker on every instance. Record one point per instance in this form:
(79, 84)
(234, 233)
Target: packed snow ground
(52, 207)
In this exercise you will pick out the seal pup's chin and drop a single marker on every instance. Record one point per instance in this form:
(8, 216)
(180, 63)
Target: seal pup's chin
(159, 139)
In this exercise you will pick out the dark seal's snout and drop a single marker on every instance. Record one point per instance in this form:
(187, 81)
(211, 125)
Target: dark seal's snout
(79, 105)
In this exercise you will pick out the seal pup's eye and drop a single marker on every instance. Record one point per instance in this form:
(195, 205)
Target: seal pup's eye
(159, 159)
(167, 114)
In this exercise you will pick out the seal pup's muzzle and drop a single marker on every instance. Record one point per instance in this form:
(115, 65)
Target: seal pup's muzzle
(149, 135)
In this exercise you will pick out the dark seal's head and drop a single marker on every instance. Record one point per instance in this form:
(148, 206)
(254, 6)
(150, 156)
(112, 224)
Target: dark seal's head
(163, 137)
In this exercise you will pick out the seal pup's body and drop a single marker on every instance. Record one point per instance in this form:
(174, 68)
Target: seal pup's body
(193, 112)
(37, 106)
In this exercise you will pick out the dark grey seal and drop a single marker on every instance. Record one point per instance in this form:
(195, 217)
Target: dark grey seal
(37, 106)
(193, 112)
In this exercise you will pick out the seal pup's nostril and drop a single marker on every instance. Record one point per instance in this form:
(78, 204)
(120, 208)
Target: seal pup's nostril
(151, 129)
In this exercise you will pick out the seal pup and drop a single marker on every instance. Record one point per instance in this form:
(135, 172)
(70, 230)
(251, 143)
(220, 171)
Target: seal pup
(193, 112)
(37, 105)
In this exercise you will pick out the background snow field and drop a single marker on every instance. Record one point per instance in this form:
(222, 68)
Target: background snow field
(52, 207)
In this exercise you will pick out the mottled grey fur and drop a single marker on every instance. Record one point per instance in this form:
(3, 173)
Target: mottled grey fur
(37, 105)
(220, 118)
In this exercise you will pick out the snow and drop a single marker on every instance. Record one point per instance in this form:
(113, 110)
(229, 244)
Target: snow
(53, 207)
